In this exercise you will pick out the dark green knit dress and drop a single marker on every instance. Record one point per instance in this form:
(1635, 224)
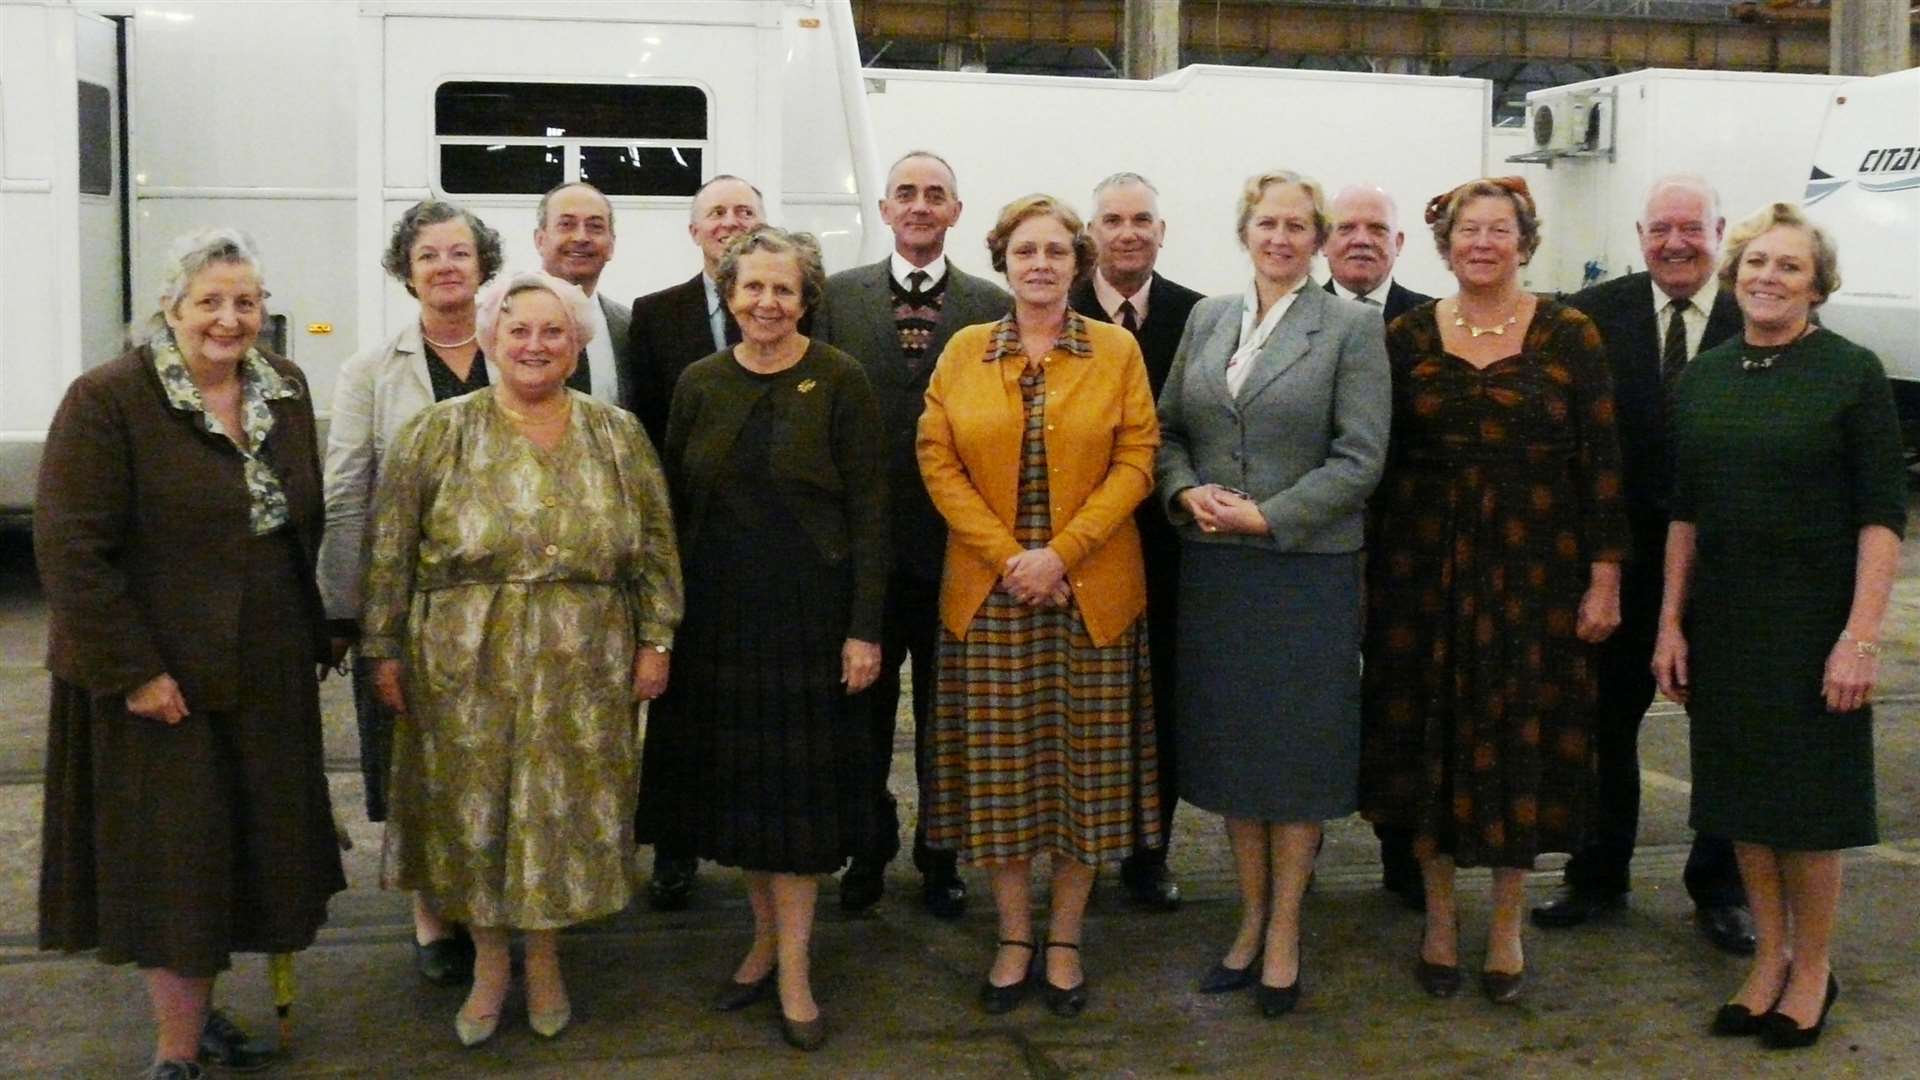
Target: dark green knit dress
(1779, 468)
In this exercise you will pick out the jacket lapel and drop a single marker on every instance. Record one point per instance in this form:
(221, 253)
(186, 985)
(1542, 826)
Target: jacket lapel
(411, 344)
(1290, 341)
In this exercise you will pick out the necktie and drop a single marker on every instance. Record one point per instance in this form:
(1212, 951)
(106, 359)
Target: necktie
(1673, 353)
(1126, 317)
(917, 282)
(582, 377)
(733, 328)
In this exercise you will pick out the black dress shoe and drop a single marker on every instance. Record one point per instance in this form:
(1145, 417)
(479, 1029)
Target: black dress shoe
(1733, 1021)
(944, 893)
(672, 884)
(734, 996)
(806, 1035)
(447, 961)
(1575, 906)
(996, 999)
(863, 884)
(1222, 979)
(1728, 926)
(1150, 885)
(1778, 1031)
(1438, 980)
(1275, 1001)
(1502, 987)
(223, 1043)
(1065, 1001)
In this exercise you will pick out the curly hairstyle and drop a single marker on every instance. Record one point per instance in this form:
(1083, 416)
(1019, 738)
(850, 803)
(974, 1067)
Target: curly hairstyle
(397, 260)
(1443, 210)
(775, 241)
(1033, 206)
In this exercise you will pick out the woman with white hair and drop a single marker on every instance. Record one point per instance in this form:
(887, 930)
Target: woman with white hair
(176, 525)
(520, 604)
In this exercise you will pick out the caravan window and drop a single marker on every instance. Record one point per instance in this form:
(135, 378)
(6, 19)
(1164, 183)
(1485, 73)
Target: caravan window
(522, 138)
(96, 139)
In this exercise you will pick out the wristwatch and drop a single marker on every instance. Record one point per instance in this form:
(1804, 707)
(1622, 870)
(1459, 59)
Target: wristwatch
(661, 649)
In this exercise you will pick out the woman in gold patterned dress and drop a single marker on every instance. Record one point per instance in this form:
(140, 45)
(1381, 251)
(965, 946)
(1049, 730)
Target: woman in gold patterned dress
(521, 602)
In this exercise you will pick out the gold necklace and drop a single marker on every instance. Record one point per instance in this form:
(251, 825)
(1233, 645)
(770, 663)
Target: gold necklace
(1497, 330)
(566, 407)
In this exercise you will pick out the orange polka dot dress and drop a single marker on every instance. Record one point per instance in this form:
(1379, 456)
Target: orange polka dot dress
(1502, 486)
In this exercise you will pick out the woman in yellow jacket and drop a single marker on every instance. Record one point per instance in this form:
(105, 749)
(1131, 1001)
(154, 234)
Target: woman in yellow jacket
(1036, 445)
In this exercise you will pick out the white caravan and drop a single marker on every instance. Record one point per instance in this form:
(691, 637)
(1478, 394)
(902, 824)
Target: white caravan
(314, 124)
(1865, 192)
(1197, 133)
(1598, 145)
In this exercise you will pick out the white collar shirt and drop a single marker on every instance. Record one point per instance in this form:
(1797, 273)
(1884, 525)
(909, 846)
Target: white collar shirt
(1700, 306)
(1111, 299)
(601, 368)
(1377, 297)
(935, 270)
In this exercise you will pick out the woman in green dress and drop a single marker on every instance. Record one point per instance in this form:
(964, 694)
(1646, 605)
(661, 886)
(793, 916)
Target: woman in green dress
(520, 604)
(1789, 504)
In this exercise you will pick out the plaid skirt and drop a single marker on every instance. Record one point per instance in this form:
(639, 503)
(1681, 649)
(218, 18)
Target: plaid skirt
(1041, 740)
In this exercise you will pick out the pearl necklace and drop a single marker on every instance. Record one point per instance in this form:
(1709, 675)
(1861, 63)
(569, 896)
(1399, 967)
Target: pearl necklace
(1497, 330)
(461, 344)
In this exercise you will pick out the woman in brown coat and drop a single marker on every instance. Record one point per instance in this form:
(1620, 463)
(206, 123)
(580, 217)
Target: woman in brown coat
(176, 524)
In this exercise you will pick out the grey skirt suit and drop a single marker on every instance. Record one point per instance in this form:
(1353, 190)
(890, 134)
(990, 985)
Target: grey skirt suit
(1269, 626)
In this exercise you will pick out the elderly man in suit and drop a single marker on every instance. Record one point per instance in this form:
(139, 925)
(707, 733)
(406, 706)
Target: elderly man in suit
(1127, 232)
(676, 326)
(1653, 322)
(575, 241)
(895, 317)
(670, 330)
(1363, 243)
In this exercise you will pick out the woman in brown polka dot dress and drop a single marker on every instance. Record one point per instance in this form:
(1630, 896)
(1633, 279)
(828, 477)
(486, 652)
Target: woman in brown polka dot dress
(1493, 570)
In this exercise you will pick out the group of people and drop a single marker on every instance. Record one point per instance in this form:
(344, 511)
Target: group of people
(1135, 543)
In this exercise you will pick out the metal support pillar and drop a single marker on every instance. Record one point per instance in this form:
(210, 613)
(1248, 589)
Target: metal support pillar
(1869, 37)
(1149, 38)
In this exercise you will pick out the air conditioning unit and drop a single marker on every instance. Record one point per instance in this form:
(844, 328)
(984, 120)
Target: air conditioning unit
(1559, 125)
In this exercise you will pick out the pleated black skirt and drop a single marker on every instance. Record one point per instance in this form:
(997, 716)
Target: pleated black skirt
(756, 756)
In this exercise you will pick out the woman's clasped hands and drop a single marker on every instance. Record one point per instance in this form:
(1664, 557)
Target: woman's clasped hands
(1219, 509)
(1036, 577)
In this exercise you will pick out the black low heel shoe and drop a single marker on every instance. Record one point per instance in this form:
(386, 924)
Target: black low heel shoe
(1734, 1021)
(1222, 979)
(1004, 999)
(734, 996)
(1068, 1001)
(1276, 1001)
(1778, 1031)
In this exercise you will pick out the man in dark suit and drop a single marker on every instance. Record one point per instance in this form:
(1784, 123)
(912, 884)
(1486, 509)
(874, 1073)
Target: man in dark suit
(1128, 230)
(1363, 242)
(676, 326)
(670, 330)
(895, 317)
(575, 240)
(1653, 322)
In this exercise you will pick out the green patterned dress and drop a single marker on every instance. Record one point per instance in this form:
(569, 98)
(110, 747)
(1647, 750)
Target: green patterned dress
(515, 583)
(1779, 468)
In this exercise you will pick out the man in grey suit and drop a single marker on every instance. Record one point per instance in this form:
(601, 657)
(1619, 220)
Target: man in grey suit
(895, 317)
(575, 241)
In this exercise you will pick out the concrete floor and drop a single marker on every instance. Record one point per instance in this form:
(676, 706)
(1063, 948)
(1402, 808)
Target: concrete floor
(1626, 997)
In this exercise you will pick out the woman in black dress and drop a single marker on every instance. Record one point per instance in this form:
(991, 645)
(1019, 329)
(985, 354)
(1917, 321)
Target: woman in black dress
(1789, 502)
(1493, 571)
(178, 514)
(757, 753)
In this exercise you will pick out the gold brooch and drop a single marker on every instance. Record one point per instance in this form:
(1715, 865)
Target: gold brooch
(806, 385)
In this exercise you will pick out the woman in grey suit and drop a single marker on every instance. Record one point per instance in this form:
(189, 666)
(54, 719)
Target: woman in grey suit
(1274, 429)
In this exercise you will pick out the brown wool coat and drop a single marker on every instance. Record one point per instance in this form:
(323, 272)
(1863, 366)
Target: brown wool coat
(139, 522)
